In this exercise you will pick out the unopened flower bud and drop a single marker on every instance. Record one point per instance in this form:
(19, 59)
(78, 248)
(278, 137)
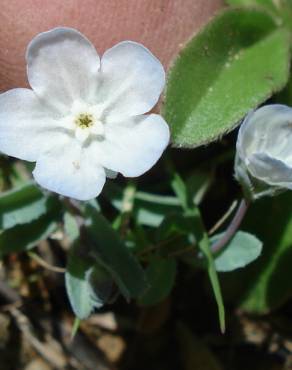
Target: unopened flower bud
(263, 163)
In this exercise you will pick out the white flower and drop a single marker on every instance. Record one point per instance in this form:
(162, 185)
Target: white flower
(84, 118)
(263, 162)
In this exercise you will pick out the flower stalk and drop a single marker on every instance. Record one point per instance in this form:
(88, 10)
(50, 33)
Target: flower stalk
(232, 228)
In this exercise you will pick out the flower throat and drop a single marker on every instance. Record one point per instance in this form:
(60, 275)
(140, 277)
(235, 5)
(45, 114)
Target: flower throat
(84, 120)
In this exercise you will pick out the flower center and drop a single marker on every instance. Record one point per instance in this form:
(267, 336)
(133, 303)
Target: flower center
(84, 120)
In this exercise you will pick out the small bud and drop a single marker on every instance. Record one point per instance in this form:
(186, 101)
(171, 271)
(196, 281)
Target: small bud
(263, 163)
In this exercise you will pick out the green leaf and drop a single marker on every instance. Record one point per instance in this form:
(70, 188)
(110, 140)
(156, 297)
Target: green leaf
(152, 215)
(113, 254)
(27, 236)
(270, 4)
(265, 284)
(180, 189)
(174, 225)
(71, 227)
(22, 205)
(160, 274)
(198, 184)
(88, 285)
(192, 212)
(204, 246)
(77, 286)
(191, 192)
(281, 9)
(234, 64)
(149, 209)
(75, 327)
(239, 252)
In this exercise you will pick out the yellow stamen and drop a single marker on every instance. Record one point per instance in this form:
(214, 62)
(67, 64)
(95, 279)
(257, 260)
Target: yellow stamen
(84, 120)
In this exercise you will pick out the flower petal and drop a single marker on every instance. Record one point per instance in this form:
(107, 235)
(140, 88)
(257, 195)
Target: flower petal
(69, 171)
(268, 130)
(271, 170)
(132, 80)
(27, 127)
(62, 67)
(132, 147)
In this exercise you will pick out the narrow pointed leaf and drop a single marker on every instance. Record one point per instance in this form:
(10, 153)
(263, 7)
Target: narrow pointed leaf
(113, 254)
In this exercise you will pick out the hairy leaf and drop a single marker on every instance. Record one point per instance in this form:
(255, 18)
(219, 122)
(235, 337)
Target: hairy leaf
(234, 64)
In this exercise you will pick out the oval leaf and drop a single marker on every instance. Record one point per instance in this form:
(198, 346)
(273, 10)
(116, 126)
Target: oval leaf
(240, 251)
(238, 61)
